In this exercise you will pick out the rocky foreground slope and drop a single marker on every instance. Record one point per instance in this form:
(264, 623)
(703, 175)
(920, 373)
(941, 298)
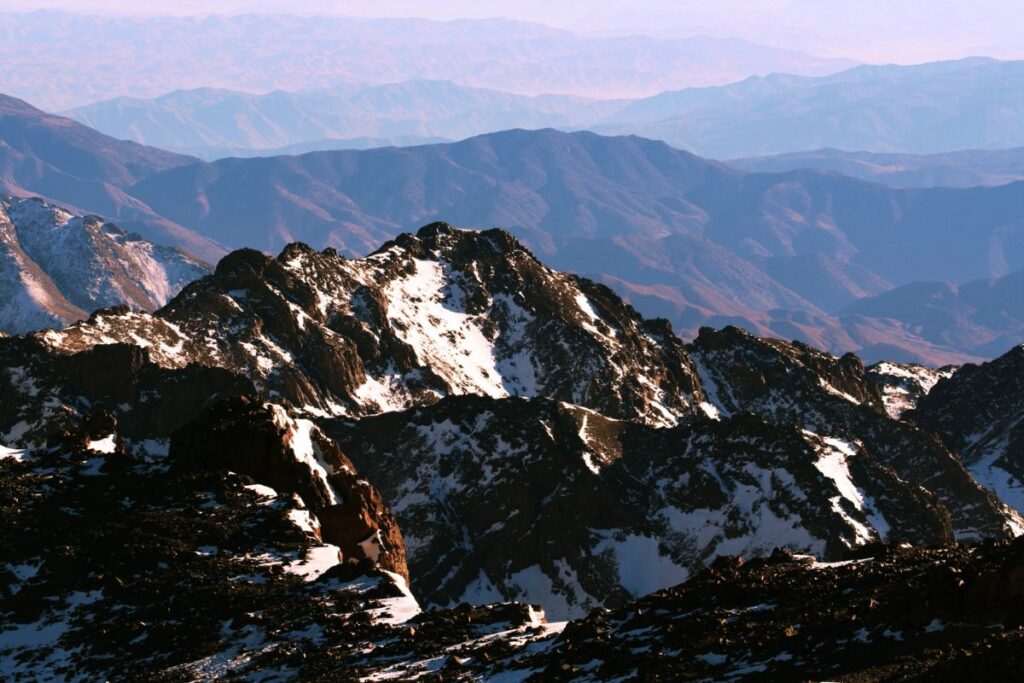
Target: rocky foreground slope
(123, 563)
(56, 267)
(290, 444)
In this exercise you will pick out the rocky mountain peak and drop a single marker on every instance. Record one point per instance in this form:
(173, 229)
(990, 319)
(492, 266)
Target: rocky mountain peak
(762, 366)
(443, 312)
(903, 385)
(789, 383)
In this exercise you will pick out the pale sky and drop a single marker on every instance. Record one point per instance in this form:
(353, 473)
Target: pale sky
(902, 31)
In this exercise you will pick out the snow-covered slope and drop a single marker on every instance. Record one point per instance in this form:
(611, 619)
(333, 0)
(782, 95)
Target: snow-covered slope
(56, 267)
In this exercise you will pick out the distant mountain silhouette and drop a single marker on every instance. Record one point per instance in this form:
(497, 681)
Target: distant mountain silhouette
(145, 56)
(927, 109)
(968, 168)
(218, 123)
(986, 314)
(936, 107)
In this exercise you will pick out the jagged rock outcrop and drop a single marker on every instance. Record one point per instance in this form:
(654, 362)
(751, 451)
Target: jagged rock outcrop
(444, 312)
(979, 412)
(44, 393)
(293, 457)
(56, 267)
(793, 384)
(471, 384)
(536, 500)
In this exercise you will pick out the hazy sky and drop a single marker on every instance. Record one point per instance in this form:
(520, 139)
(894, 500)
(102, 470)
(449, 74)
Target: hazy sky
(868, 30)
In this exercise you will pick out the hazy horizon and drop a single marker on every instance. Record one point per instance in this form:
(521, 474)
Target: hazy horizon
(870, 31)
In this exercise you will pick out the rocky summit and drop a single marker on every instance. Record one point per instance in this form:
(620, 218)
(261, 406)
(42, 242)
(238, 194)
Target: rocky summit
(447, 460)
(444, 312)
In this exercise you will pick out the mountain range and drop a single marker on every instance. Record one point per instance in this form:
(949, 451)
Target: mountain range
(685, 238)
(926, 109)
(145, 56)
(804, 254)
(373, 466)
(317, 393)
(217, 123)
(79, 168)
(972, 103)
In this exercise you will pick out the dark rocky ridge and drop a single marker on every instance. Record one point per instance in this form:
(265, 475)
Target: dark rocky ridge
(122, 560)
(501, 496)
(47, 393)
(259, 440)
(190, 575)
(898, 614)
(791, 383)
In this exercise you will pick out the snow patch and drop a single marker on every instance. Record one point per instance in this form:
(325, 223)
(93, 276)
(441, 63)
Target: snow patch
(832, 463)
(642, 566)
(400, 609)
(107, 444)
(317, 561)
(427, 310)
(12, 454)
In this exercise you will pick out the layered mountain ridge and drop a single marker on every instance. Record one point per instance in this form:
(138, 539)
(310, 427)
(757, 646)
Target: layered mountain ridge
(77, 167)
(684, 238)
(803, 254)
(912, 120)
